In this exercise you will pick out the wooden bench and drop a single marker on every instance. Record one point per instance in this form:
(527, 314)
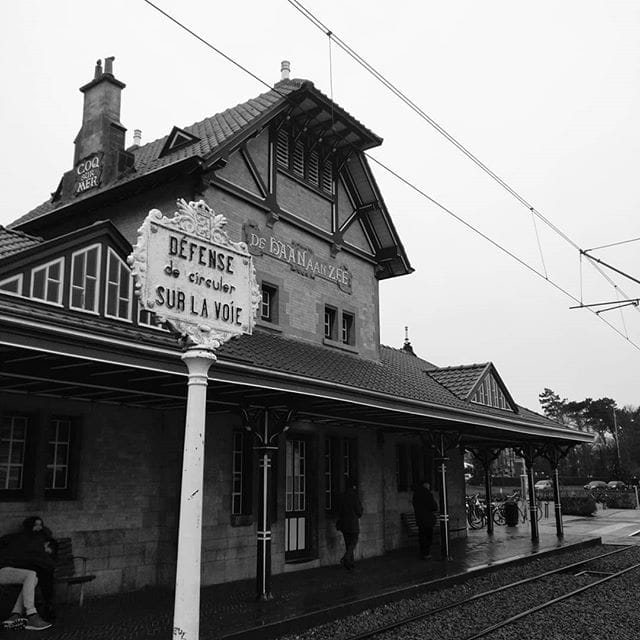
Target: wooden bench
(409, 521)
(71, 569)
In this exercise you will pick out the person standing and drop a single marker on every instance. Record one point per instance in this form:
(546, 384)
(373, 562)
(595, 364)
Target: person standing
(425, 507)
(349, 514)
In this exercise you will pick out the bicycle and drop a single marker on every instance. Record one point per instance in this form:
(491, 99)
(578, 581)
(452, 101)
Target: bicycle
(476, 511)
(523, 509)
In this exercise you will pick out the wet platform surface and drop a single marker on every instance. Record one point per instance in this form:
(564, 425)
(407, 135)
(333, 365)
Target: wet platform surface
(231, 611)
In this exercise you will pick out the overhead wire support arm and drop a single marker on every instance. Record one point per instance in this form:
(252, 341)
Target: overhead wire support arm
(634, 301)
(608, 266)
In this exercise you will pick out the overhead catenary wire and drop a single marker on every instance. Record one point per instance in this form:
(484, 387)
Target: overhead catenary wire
(422, 114)
(395, 174)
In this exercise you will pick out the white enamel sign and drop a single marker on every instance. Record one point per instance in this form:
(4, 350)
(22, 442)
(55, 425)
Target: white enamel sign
(191, 275)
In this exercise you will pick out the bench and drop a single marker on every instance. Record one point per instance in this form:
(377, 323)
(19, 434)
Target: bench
(71, 569)
(409, 521)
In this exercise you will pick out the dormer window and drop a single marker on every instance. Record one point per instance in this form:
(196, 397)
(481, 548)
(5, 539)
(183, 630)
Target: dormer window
(46, 282)
(118, 288)
(12, 285)
(85, 270)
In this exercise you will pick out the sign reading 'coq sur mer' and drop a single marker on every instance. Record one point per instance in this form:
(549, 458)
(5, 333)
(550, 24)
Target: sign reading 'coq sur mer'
(191, 275)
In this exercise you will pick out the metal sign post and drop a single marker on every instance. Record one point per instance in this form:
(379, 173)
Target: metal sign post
(203, 286)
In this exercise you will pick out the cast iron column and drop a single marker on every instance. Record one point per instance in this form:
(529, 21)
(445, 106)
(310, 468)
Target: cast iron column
(444, 513)
(533, 520)
(557, 506)
(488, 501)
(263, 564)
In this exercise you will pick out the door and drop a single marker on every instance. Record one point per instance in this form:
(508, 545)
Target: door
(296, 500)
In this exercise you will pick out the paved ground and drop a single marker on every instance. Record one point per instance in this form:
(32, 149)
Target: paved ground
(231, 610)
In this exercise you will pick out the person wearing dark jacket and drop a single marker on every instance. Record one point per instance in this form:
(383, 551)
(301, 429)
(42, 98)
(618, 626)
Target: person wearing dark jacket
(349, 513)
(23, 557)
(425, 507)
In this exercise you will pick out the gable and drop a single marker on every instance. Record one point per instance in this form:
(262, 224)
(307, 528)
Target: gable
(177, 139)
(491, 392)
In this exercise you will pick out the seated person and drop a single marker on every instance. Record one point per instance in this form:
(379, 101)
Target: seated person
(27, 558)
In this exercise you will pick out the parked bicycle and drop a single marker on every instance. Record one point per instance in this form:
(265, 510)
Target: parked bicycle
(523, 509)
(476, 511)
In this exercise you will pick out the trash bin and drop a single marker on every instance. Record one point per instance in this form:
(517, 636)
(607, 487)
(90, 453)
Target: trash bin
(511, 514)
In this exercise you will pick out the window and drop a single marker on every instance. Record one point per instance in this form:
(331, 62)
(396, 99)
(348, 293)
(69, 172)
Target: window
(348, 324)
(59, 445)
(341, 463)
(12, 285)
(402, 467)
(490, 394)
(149, 319)
(269, 306)
(413, 465)
(241, 476)
(330, 323)
(295, 483)
(294, 155)
(46, 282)
(327, 177)
(236, 474)
(118, 288)
(13, 444)
(85, 268)
(328, 471)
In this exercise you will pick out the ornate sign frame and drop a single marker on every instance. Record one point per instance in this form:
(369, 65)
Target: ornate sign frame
(231, 272)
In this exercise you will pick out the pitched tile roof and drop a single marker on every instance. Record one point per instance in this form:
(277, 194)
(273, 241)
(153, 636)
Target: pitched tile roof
(212, 133)
(461, 379)
(398, 374)
(15, 241)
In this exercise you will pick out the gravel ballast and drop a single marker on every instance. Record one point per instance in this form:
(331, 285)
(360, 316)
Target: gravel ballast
(473, 617)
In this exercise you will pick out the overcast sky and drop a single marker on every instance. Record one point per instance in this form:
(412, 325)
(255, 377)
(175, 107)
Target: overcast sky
(546, 94)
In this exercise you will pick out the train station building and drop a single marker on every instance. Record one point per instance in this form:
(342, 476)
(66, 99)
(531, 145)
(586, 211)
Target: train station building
(93, 390)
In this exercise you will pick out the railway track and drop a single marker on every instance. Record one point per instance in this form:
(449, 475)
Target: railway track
(409, 626)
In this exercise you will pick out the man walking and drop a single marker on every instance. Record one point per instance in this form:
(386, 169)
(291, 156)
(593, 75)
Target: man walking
(349, 513)
(425, 507)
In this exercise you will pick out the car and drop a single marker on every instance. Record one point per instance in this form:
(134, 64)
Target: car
(616, 485)
(543, 485)
(595, 485)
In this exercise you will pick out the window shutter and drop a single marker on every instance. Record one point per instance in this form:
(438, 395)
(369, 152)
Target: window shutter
(282, 148)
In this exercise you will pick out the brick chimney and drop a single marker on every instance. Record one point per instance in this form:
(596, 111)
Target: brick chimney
(100, 156)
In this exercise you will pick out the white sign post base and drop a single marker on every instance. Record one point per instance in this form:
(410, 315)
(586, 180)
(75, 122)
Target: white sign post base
(186, 613)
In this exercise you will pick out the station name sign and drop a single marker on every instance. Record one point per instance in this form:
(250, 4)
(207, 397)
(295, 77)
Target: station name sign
(191, 275)
(88, 173)
(299, 257)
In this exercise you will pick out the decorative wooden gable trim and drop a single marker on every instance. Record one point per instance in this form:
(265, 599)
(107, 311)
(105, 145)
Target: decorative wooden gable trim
(490, 391)
(177, 139)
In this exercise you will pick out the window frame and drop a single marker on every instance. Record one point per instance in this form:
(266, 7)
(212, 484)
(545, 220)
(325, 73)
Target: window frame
(107, 282)
(244, 454)
(73, 458)
(72, 286)
(350, 337)
(47, 266)
(19, 279)
(330, 328)
(272, 291)
(25, 491)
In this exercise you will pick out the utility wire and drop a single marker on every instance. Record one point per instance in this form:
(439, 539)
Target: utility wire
(422, 114)
(395, 174)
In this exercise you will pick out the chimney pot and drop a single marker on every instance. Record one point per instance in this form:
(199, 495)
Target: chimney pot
(137, 137)
(108, 64)
(98, 71)
(285, 68)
